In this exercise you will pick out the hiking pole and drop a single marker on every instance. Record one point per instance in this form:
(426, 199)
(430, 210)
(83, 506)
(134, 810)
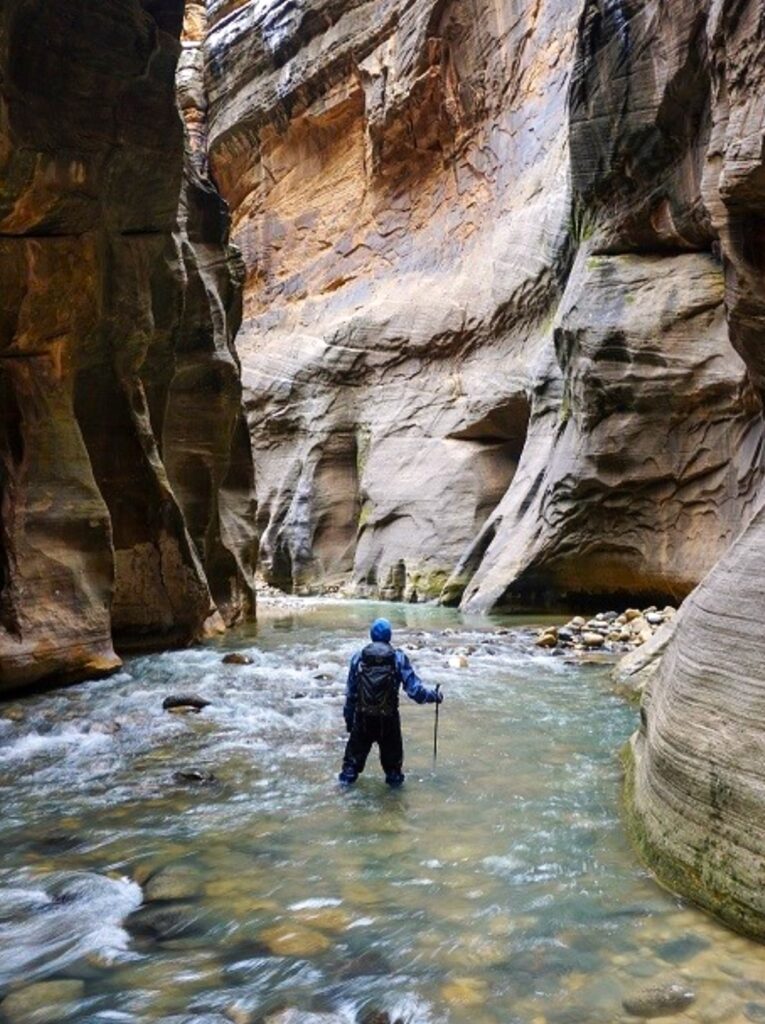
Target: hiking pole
(435, 729)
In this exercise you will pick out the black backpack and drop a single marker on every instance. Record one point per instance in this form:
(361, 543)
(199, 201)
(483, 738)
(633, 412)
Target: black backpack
(378, 680)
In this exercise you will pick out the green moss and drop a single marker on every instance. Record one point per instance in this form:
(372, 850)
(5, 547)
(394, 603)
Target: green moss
(428, 583)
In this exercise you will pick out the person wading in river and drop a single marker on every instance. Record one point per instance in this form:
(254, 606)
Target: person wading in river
(371, 705)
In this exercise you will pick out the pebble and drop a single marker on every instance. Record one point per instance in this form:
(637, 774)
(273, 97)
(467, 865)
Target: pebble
(659, 1000)
(194, 777)
(606, 630)
(593, 639)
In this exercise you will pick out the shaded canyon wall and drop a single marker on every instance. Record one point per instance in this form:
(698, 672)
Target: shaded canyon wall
(126, 490)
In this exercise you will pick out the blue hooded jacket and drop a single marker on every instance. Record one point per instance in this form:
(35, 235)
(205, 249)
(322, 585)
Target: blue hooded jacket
(414, 688)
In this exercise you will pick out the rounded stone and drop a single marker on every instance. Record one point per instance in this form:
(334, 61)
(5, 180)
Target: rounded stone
(659, 1000)
(45, 1002)
(237, 658)
(294, 940)
(591, 639)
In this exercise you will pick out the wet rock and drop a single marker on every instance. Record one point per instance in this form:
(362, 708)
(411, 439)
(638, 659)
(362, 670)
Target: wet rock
(654, 618)
(458, 661)
(566, 635)
(239, 1014)
(165, 923)
(174, 882)
(294, 940)
(373, 1016)
(45, 1002)
(631, 613)
(14, 713)
(677, 951)
(194, 777)
(659, 1000)
(237, 658)
(546, 640)
(368, 963)
(591, 639)
(188, 702)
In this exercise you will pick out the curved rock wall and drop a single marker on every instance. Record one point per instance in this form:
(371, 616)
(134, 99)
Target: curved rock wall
(697, 777)
(484, 344)
(122, 514)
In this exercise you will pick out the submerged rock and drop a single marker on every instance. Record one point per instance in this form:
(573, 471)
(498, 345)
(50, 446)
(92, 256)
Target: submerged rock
(164, 923)
(659, 1000)
(194, 777)
(45, 1002)
(237, 658)
(174, 882)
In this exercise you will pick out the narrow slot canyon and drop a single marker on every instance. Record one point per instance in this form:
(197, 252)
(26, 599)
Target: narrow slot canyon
(449, 313)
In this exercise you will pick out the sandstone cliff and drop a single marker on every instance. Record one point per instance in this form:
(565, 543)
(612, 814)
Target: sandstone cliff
(697, 777)
(485, 347)
(502, 337)
(125, 467)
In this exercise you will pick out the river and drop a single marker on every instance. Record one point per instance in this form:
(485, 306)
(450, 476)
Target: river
(496, 886)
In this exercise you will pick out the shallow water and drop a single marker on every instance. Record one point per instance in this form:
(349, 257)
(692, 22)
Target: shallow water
(496, 886)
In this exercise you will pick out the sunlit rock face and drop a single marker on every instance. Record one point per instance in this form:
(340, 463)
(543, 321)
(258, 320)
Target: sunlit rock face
(398, 180)
(484, 346)
(124, 463)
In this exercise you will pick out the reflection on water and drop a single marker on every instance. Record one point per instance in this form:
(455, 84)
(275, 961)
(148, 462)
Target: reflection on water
(497, 886)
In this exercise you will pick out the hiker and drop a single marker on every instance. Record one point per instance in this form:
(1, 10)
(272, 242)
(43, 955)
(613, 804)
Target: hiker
(371, 705)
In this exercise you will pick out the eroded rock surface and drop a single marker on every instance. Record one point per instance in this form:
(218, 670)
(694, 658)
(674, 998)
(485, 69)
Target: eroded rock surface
(502, 339)
(485, 347)
(125, 467)
(697, 777)
(398, 182)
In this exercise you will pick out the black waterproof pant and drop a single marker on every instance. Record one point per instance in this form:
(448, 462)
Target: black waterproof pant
(385, 731)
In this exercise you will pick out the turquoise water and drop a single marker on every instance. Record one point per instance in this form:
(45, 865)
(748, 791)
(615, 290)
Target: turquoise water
(496, 886)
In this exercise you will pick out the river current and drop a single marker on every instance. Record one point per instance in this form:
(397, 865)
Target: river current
(496, 886)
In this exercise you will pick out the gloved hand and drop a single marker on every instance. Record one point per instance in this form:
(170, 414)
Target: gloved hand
(436, 697)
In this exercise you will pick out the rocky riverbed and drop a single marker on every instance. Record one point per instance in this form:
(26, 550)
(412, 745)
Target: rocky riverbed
(606, 631)
(204, 868)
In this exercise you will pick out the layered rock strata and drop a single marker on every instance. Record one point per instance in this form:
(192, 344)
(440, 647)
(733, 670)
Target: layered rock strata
(125, 468)
(485, 346)
(697, 775)
(502, 338)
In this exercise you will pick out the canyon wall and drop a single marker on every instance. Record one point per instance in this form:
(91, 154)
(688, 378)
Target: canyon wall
(126, 491)
(697, 766)
(502, 338)
(485, 348)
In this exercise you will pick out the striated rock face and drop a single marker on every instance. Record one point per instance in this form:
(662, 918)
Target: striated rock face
(398, 182)
(485, 346)
(504, 314)
(125, 468)
(697, 776)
